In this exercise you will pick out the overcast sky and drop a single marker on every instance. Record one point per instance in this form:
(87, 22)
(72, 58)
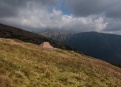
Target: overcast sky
(73, 15)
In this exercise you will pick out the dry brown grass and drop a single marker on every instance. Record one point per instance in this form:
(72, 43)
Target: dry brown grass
(28, 65)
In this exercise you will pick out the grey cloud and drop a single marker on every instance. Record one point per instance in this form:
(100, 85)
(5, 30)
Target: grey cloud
(85, 15)
(113, 25)
(110, 8)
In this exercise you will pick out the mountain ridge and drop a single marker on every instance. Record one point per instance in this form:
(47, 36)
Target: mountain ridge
(100, 45)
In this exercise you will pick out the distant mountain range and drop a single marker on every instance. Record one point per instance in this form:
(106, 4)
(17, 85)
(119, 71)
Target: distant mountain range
(100, 45)
(103, 46)
(50, 33)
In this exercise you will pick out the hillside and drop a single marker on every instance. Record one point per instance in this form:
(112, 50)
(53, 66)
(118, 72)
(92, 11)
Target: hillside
(26, 36)
(27, 65)
(103, 46)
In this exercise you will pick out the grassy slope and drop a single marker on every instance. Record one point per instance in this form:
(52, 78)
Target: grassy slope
(28, 65)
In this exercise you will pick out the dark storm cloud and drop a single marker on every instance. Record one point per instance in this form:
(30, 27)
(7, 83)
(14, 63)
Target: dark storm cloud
(110, 8)
(12, 7)
(114, 11)
(7, 8)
